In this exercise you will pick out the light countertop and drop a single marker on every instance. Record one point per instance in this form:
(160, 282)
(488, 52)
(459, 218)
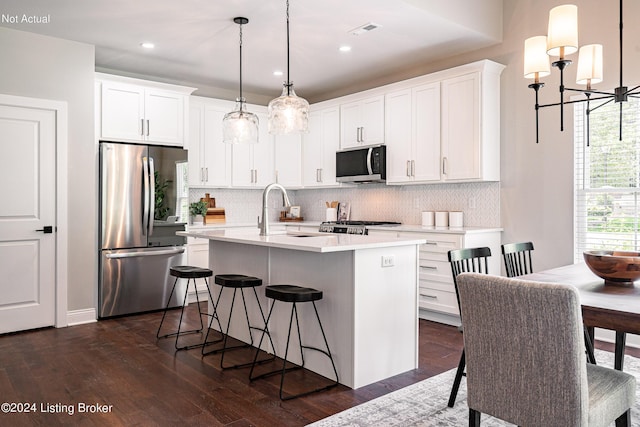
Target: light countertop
(301, 241)
(416, 228)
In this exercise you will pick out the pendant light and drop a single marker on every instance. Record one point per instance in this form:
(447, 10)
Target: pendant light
(240, 126)
(288, 113)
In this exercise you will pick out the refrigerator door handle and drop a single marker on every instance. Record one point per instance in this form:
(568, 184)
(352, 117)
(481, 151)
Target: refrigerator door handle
(145, 197)
(139, 254)
(152, 194)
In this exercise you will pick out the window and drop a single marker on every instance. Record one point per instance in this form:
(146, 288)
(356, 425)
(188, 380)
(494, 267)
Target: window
(607, 196)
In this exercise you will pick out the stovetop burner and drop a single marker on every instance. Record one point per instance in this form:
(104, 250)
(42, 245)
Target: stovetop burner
(362, 222)
(351, 227)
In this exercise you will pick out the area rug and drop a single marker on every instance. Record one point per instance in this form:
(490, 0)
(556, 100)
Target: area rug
(425, 404)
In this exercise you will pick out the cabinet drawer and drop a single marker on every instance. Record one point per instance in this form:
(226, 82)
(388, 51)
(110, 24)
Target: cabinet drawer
(441, 243)
(439, 270)
(436, 300)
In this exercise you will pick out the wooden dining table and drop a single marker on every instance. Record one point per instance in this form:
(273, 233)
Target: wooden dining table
(612, 307)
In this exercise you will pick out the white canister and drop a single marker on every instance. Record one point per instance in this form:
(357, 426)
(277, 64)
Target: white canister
(455, 219)
(332, 214)
(428, 219)
(442, 219)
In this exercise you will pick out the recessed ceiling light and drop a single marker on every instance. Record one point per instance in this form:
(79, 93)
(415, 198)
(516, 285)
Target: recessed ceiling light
(345, 48)
(278, 73)
(147, 45)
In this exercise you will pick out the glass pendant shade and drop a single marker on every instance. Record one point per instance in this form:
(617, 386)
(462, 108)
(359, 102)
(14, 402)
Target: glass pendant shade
(589, 65)
(536, 60)
(562, 35)
(240, 126)
(288, 113)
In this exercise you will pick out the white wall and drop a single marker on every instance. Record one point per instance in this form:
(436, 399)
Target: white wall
(45, 67)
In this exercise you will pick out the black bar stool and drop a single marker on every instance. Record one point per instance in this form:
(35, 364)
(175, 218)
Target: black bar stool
(236, 281)
(294, 294)
(191, 274)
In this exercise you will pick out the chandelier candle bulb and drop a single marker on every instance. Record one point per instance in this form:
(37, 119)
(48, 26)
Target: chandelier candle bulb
(589, 65)
(562, 36)
(536, 60)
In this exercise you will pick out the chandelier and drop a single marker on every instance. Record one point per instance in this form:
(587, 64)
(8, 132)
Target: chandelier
(240, 126)
(562, 40)
(288, 113)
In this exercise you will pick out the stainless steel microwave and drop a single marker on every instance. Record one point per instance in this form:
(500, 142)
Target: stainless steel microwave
(362, 164)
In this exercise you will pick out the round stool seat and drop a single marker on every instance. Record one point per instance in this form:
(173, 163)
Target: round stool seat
(292, 293)
(190, 272)
(237, 281)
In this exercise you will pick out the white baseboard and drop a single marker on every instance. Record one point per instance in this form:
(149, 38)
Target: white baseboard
(434, 316)
(202, 295)
(79, 317)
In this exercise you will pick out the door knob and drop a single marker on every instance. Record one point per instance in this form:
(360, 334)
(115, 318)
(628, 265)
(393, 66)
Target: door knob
(48, 229)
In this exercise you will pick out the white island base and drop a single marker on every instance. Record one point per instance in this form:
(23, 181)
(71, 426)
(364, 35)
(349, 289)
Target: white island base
(369, 311)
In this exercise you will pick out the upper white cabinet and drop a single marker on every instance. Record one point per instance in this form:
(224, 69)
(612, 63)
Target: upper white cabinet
(252, 164)
(209, 157)
(471, 124)
(362, 122)
(138, 110)
(319, 148)
(445, 127)
(288, 160)
(412, 134)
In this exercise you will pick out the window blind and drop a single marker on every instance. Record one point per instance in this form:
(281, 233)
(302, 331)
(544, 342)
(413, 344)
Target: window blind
(607, 196)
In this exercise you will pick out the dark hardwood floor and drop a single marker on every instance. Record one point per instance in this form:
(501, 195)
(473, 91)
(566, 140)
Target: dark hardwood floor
(118, 367)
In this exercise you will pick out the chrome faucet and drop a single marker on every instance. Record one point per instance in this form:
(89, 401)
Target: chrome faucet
(264, 224)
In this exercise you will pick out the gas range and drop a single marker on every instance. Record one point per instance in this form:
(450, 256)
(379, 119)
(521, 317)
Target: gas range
(351, 227)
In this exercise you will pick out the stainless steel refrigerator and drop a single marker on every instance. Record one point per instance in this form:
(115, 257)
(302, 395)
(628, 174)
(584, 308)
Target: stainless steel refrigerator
(139, 220)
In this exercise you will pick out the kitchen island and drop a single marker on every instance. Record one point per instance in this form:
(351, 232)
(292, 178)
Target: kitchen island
(370, 305)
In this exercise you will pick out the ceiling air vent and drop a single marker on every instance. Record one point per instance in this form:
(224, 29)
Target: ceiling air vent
(364, 28)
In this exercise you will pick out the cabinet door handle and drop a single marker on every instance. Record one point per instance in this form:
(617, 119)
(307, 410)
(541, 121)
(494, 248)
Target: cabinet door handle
(431, 243)
(413, 168)
(444, 165)
(408, 167)
(318, 179)
(141, 127)
(147, 127)
(277, 175)
(429, 296)
(321, 177)
(206, 174)
(201, 174)
(429, 267)
(255, 174)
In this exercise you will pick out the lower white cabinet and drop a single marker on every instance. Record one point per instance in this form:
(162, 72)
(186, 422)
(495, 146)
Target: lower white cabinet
(437, 294)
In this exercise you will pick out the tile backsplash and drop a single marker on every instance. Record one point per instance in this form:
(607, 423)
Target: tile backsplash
(480, 202)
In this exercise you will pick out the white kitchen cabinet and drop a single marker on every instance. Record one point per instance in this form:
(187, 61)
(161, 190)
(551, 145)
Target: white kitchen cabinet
(209, 157)
(288, 160)
(252, 164)
(319, 148)
(412, 134)
(471, 125)
(437, 295)
(137, 110)
(362, 122)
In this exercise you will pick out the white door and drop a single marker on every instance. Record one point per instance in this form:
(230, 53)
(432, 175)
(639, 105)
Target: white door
(28, 194)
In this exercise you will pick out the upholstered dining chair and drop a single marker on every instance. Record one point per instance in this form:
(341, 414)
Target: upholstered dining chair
(465, 260)
(517, 262)
(525, 357)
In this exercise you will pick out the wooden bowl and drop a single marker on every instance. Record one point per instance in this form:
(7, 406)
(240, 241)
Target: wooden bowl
(618, 268)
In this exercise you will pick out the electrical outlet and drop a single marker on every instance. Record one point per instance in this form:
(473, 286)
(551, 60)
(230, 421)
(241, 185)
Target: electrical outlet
(388, 260)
